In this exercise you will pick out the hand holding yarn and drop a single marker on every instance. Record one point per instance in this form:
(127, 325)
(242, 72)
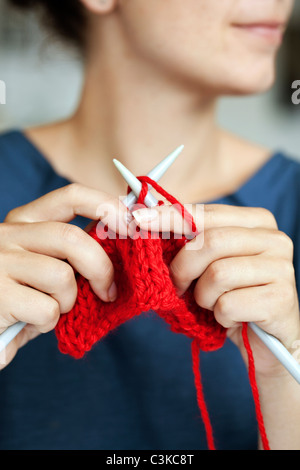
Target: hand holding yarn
(37, 284)
(243, 272)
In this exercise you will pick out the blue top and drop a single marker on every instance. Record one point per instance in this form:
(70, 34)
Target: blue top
(135, 389)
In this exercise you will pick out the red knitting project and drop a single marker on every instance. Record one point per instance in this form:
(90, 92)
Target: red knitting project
(143, 282)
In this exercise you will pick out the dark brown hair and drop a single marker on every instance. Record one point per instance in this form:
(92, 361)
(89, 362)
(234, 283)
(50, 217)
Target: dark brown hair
(65, 17)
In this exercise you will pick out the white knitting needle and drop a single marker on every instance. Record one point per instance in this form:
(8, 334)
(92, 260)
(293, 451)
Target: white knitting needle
(10, 333)
(131, 180)
(272, 343)
(156, 173)
(279, 351)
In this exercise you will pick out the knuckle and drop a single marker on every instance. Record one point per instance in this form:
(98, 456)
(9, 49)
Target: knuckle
(12, 215)
(287, 242)
(71, 233)
(222, 309)
(72, 189)
(212, 238)
(10, 255)
(111, 211)
(64, 274)
(201, 297)
(69, 302)
(107, 210)
(210, 211)
(217, 272)
(267, 216)
(50, 316)
(287, 269)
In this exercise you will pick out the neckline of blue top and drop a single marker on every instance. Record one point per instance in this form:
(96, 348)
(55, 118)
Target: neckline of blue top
(265, 173)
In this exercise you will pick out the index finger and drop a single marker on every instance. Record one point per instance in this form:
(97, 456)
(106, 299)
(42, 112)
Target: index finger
(64, 204)
(168, 219)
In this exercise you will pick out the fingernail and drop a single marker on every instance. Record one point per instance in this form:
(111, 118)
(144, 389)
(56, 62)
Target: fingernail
(128, 218)
(145, 215)
(112, 292)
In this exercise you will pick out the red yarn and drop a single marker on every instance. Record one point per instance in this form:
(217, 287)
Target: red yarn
(251, 373)
(143, 282)
(200, 396)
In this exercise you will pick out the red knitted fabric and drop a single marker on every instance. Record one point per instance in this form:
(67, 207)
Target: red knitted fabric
(143, 282)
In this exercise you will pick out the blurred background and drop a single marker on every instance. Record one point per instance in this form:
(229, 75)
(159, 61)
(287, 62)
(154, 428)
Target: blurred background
(43, 80)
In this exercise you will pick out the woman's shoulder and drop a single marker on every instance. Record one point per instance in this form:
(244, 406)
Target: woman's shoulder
(275, 185)
(8, 139)
(25, 174)
(18, 159)
(15, 148)
(263, 175)
(281, 176)
(277, 180)
(21, 159)
(285, 165)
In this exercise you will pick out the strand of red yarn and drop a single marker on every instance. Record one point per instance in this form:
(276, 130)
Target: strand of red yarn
(200, 396)
(185, 214)
(251, 373)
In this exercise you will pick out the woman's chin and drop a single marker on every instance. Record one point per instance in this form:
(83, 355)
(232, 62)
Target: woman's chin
(251, 85)
(248, 79)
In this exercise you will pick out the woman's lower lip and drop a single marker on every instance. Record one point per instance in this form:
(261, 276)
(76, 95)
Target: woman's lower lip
(273, 34)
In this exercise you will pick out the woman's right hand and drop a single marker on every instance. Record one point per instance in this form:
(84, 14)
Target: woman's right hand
(40, 253)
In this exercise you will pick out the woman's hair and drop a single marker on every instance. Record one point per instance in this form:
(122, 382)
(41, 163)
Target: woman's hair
(64, 17)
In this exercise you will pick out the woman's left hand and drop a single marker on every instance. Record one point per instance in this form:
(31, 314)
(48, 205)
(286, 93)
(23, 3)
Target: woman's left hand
(244, 270)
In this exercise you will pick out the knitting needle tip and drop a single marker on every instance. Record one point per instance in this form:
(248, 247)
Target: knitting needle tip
(165, 164)
(134, 184)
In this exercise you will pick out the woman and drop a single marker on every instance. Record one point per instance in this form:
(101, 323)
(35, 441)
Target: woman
(154, 71)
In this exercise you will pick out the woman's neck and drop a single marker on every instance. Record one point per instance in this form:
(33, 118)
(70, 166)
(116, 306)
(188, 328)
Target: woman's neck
(132, 117)
(130, 112)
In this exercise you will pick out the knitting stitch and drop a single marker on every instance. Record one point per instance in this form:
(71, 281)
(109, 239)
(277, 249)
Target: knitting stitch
(141, 266)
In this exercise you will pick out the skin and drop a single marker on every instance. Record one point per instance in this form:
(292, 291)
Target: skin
(154, 70)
